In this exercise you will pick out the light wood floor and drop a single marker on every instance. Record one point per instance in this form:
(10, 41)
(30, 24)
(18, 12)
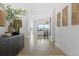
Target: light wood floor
(40, 47)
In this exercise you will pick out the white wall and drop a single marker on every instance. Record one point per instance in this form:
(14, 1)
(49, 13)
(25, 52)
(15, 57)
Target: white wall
(52, 24)
(2, 30)
(24, 28)
(67, 38)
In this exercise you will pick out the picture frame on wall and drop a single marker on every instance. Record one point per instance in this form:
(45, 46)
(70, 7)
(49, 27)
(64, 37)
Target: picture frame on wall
(65, 16)
(75, 14)
(58, 19)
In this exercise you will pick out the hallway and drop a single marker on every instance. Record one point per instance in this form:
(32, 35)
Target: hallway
(40, 46)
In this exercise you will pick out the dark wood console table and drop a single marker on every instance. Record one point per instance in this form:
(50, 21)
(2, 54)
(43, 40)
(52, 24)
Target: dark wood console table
(11, 46)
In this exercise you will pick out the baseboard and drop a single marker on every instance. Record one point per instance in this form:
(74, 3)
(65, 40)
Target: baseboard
(64, 50)
(52, 39)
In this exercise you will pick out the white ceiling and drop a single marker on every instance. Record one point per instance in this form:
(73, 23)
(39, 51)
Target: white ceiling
(36, 10)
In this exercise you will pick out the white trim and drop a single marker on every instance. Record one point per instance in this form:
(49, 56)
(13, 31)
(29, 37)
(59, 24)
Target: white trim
(64, 50)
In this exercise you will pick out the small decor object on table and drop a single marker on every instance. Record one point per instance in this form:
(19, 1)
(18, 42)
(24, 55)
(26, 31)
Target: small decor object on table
(17, 24)
(6, 34)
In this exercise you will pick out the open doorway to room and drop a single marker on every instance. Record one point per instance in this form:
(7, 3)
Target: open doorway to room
(41, 29)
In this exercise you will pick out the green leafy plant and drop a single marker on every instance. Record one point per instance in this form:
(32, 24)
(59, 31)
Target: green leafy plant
(11, 13)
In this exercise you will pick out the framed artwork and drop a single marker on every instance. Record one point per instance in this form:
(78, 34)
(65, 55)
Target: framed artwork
(2, 18)
(58, 20)
(65, 16)
(75, 13)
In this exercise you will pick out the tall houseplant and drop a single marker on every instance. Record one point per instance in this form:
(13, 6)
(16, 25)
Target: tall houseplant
(12, 13)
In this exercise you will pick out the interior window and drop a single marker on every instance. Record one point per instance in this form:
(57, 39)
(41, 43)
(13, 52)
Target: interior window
(46, 26)
(42, 26)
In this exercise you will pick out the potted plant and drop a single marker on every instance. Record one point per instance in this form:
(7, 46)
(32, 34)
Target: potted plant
(12, 13)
